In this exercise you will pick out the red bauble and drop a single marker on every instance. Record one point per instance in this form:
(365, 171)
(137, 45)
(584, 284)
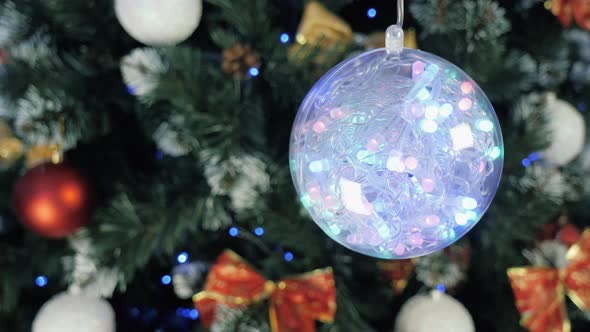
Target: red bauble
(52, 200)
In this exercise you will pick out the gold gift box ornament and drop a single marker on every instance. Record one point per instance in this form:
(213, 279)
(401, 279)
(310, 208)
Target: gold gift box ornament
(322, 35)
(11, 148)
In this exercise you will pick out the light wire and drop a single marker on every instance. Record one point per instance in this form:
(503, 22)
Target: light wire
(400, 13)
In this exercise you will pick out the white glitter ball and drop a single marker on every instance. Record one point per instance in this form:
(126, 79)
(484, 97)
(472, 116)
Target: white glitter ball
(434, 312)
(159, 23)
(75, 313)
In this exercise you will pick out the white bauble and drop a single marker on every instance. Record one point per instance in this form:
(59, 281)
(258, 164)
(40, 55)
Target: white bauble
(568, 131)
(75, 313)
(434, 312)
(157, 22)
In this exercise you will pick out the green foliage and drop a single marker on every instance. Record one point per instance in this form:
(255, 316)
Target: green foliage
(244, 17)
(20, 262)
(476, 30)
(136, 224)
(80, 20)
(480, 21)
(65, 64)
(348, 318)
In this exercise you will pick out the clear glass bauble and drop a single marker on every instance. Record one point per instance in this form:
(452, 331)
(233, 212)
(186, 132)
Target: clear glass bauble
(396, 156)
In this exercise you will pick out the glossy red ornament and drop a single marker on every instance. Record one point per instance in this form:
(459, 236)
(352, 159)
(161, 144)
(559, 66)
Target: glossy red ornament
(52, 200)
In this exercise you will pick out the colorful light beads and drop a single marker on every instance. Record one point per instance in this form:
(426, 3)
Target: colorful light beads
(396, 157)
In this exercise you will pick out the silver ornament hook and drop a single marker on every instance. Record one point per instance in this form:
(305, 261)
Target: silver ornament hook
(394, 36)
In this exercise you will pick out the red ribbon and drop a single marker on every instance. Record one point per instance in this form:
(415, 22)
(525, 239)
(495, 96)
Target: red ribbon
(295, 302)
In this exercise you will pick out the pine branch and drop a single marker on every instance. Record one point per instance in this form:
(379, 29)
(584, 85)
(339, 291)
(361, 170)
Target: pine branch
(135, 227)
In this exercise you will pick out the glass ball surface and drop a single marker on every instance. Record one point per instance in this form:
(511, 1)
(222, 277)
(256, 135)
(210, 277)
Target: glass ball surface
(396, 156)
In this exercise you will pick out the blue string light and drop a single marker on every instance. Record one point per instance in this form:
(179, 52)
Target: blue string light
(259, 231)
(41, 281)
(135, 312)
(182, 257)
(371, 12)
(254, 71)
(131, 90)
(288, 256)
(526, 162)
(441, 288)
(159, 155)
(188, 313)
(233, 232)
(535, 156)
(166, 280)
(285, 38)
(194, 314)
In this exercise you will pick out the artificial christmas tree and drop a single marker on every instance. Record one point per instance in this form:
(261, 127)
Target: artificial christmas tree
(187, 149)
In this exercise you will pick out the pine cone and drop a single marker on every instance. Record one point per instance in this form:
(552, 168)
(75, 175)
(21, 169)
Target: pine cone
(238, 59)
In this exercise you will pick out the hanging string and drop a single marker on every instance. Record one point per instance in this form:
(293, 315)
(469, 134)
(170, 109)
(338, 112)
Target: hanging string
(400, 13)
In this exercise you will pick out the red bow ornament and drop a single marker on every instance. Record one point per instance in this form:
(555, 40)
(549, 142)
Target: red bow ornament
(567, 10)
(295, 302)
(540, 291)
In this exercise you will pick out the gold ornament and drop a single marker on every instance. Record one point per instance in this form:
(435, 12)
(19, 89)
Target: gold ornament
(377, 40)
(5, 130)
(11, 148)
(39, 154)
(320, 29)
(50, 152)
